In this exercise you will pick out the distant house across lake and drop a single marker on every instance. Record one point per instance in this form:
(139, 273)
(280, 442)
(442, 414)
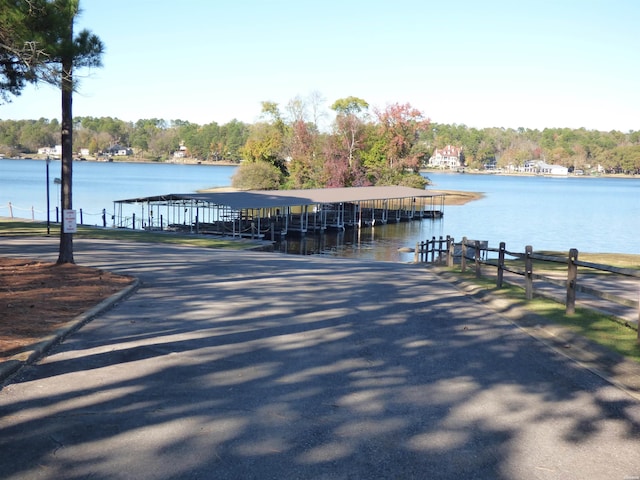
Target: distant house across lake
(55, 151)
(448, 157)
(118, 151)
(541, 168)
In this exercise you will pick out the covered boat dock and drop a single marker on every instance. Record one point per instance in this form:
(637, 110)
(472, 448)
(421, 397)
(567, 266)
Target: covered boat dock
(257, 213)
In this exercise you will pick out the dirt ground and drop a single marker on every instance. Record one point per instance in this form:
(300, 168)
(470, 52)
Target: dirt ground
(37, 298)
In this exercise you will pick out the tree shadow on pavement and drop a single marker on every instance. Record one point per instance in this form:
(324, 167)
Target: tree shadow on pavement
(249, 365)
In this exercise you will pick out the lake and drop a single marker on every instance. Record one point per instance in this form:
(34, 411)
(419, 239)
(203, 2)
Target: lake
(592, 214)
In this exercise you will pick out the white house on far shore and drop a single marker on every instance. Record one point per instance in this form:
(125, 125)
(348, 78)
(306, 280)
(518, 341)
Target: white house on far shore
(542, 168)
(52, 151)
(448, 157)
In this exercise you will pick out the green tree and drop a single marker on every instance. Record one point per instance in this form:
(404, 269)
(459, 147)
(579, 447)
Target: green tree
(349, 124)
(266, 139)
(37, 44)
(234, 134)
(22, 50)
(258, 175)
(265, 143)
(37, 134)
(67, 52)
(144, 133)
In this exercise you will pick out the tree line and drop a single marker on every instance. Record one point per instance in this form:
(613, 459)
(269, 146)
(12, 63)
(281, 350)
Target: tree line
(286, 147)
(580, 149)
(152, 139)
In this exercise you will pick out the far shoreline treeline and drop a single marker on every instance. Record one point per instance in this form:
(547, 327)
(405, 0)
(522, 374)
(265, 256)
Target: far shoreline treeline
(563, 146)
(289, 151)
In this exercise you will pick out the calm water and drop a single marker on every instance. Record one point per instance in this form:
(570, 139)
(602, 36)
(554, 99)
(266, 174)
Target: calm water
(97, 184)
(590, 214)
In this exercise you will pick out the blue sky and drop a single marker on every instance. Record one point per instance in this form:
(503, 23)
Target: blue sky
(494, 63)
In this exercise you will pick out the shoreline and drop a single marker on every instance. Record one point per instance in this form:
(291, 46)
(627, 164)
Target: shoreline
(452, 197)
(525, 174)
(458, 197)
(229, 163)
(131, 159)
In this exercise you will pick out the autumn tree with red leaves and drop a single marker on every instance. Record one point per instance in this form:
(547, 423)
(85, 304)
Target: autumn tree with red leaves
(358, 152)
(392, 156)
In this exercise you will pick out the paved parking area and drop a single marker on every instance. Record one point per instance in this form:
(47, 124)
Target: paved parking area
(232, 365)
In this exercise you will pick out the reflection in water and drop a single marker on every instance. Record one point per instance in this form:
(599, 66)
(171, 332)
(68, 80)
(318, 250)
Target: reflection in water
(379, 243)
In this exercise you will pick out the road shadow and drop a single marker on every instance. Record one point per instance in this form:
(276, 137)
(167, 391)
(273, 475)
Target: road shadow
(253, 365)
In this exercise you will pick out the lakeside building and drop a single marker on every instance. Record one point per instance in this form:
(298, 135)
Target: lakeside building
(55, 151)
(118, 151)
(448, 157)
(181, 152)
(540, 167)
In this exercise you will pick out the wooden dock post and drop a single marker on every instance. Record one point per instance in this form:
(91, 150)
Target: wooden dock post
(572, 277)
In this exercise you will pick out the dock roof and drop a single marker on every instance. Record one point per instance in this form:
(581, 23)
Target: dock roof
(288, 198)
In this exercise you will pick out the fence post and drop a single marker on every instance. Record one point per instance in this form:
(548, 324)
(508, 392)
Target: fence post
(81, 218)
(528, 272)
(104, 217)
(501, 251)
(416, 253)
(476, 257)
(572, 277)
(463, 259)
(440, 250)
(450, 251)
(133, 221)
(433, 250)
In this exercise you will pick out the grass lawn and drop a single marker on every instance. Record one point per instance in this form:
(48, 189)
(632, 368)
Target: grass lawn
(39, 229)
(605, 330)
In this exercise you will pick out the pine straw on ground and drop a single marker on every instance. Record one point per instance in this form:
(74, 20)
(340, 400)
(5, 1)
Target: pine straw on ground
(37, 298)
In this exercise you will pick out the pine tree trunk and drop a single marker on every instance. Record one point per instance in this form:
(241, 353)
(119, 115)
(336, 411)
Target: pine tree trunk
(66, 239)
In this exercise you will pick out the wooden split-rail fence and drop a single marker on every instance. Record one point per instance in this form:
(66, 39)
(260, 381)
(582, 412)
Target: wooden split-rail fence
(476, 255)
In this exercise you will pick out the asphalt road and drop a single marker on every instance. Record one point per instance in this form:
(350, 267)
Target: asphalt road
(246, 365)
